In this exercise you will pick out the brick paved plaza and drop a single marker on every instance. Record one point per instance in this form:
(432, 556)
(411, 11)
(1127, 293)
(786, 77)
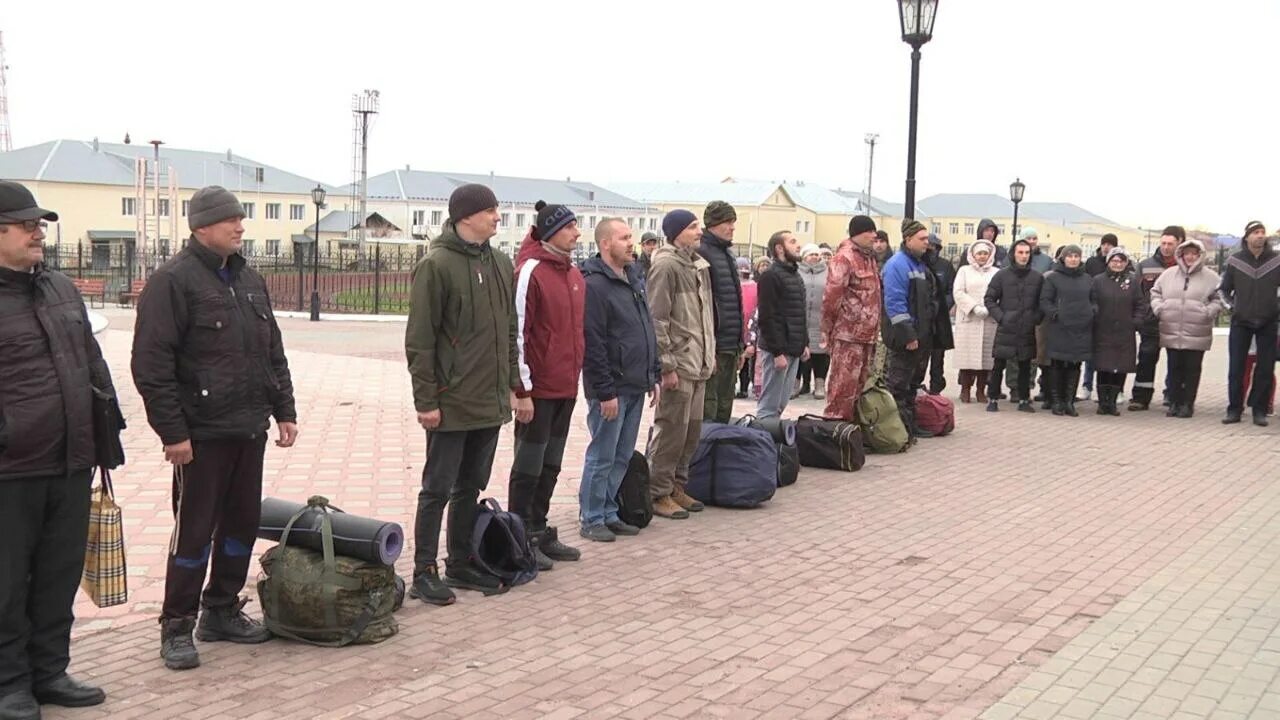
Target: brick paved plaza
(1024, 567)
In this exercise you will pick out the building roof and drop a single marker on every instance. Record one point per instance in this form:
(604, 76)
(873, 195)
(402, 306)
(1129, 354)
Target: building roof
(98, 163)
(344, 221)
(880, 206)
(993, 206)
(404, 185)
(748, 192)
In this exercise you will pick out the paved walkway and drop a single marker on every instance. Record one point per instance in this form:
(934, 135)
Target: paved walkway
(947, 582)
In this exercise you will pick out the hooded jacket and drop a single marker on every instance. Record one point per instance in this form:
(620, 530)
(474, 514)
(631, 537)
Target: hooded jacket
(727, 292)
(1096, 264)
(944, 274)
(975, 328)
(683, 316)
(1250, 286)
(781, 310)
(910, 301)
(549, 335)
(208, 358)
(1068, 305)
(1013, 300)
(621, 350)
(1001, 255)
(852, 297)
(815, 284)
(460, 340)
(1122, 309)
(51, 363)
(1148, 271)
(1185, 301)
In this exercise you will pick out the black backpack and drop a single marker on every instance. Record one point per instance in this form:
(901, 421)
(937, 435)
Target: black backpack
(829, 444)
(500, 545)
(635, 505)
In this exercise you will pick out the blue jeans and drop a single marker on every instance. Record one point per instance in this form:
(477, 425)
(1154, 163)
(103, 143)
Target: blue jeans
(608, 455)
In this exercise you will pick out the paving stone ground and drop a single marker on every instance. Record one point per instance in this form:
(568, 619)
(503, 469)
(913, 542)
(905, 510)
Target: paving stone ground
(1026, 566)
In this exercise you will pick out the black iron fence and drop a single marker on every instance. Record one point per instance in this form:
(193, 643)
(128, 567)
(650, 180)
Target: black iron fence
(376, 281)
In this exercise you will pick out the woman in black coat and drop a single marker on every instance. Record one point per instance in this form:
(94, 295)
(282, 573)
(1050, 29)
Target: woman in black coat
(1068, 305)
(1013, 301)
(1121, 310)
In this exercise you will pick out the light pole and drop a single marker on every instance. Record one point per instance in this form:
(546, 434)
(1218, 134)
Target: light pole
(317, 197)
(916, 19)
(1016, 189)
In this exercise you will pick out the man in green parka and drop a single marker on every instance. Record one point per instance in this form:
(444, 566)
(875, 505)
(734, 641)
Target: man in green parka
(461, 347)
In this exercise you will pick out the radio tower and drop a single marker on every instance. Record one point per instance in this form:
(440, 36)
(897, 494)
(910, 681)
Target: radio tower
(362, 106)
(6, 140)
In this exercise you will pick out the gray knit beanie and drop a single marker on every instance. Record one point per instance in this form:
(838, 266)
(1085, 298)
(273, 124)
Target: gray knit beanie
(211, 205)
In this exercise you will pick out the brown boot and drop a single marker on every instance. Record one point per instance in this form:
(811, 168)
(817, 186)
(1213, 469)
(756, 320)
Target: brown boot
(966, 386)
(683, 500)
(981, 381)
(667, 508)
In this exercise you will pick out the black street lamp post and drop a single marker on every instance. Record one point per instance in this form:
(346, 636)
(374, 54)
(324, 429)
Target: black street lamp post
(317, 197)
(1016, 189)
(916, 19)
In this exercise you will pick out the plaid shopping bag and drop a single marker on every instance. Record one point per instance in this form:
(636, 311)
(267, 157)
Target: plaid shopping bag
(104, 579)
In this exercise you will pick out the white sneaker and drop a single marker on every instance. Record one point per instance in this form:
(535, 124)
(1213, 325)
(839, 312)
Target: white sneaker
(1088, 395)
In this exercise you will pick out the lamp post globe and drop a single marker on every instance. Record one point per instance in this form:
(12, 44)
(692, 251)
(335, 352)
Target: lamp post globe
(1016, 190)
(317, 197)
(915, 18)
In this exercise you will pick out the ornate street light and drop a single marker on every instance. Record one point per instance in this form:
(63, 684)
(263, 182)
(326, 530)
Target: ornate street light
(916, 19)
(317, 197)
(1016, 189)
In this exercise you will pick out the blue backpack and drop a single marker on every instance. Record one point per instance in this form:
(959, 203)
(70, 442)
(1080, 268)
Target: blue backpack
(500, 545)
(733, 466)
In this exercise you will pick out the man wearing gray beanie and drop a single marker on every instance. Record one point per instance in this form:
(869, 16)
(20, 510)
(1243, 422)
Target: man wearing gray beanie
(209, 363)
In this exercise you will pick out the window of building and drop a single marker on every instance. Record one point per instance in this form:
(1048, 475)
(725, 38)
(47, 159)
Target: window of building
(1001, 229)
(248, 211)
(128, 206)
(164, 207)
(519, 220)
(592, 221)
(797, 226)
(248, 247)
(505, 220)
(653, 223)
(164, 247)
(436, 217)
(954, 228)
(186, 207)
(968, 229)
(952, 249)
(419, 217)
(273, 211)
(297, 211)
(273, 247)
(937, 229)
(806, 226)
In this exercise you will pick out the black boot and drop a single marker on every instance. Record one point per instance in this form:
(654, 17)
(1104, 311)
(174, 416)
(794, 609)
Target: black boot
(556, 550)
(1113, 400)
(1104, 395)
(176, 646)
(466, 576)
(66, 691)
(19, 705)
(429, 588)
(1070, 382)
(1053, 389)
(535, 544)
(230, 623)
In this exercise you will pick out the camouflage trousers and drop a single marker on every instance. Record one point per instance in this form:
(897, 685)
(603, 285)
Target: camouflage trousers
(851, 364)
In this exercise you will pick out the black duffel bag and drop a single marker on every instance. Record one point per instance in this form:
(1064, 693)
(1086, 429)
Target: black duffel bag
(829, 444)
(784, 436)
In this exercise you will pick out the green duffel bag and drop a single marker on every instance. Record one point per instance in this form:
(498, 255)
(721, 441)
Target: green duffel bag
(883, 431)
(326, 599)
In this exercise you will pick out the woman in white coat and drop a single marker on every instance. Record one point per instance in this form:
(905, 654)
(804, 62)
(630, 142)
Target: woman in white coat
(975, 332)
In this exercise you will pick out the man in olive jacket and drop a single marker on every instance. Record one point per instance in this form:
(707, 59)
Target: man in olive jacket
(52, 367)
(461, 346)
(209, 363)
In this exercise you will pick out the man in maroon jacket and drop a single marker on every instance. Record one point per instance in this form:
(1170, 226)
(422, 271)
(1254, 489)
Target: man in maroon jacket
(549, 310)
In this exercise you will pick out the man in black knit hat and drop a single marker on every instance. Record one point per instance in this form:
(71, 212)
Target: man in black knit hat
(1250, 283)
(716, 247)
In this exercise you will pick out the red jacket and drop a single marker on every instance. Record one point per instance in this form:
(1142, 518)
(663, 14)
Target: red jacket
(549, 310)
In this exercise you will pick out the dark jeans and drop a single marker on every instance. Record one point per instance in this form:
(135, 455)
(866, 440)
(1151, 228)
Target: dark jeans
(456, 472)
(746, 375)
(1088, 375)
(717, 405)
(1023, 379)
(815, 367)
(536, 466)
(1264, 366)
(217, 503)
(904, 373)
(1144, 380)
(44, 523)
(937, 380)
(1184, 374)
(1109, 379)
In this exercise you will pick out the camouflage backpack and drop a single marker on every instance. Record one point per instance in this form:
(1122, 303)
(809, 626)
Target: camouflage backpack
(326, 599)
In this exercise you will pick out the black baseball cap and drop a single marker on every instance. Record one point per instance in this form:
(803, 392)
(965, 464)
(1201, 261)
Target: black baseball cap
(17, 203)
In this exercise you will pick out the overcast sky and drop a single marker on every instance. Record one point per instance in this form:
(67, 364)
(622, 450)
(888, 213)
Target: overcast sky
(1144, 111)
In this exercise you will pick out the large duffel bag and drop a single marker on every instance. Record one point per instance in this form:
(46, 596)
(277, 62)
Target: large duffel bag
(829, 444)
(784, 436)
(326, 599)
(733, 466)
(882, 427)
(935, 413)
(635, 504)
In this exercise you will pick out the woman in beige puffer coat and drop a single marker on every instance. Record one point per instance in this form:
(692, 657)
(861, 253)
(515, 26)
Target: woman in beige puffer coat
(1185, 299)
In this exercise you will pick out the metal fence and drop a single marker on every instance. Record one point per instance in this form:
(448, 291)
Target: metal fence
(375, 282)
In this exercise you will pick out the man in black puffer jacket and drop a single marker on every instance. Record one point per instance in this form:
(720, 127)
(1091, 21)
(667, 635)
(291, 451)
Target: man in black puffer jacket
(1250, 283)
(784, 334)
(1013, 301)
(209, 364)
(52, 369)
(718, 222)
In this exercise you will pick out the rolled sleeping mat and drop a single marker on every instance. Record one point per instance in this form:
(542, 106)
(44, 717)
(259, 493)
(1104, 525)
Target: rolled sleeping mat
(783, 431)
(354, 536)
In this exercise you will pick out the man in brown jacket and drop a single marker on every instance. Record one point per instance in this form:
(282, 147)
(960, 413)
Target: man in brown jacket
(851, 317)
(680, 301)
(209, 363)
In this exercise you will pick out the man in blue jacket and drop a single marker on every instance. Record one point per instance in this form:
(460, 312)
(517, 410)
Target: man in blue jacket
(910, 307)
(620, 365)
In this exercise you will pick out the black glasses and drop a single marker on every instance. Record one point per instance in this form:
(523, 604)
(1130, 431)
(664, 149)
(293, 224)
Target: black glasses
(28, 225)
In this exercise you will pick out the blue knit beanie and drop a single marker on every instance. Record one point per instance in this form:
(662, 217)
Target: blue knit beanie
(675, 222)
